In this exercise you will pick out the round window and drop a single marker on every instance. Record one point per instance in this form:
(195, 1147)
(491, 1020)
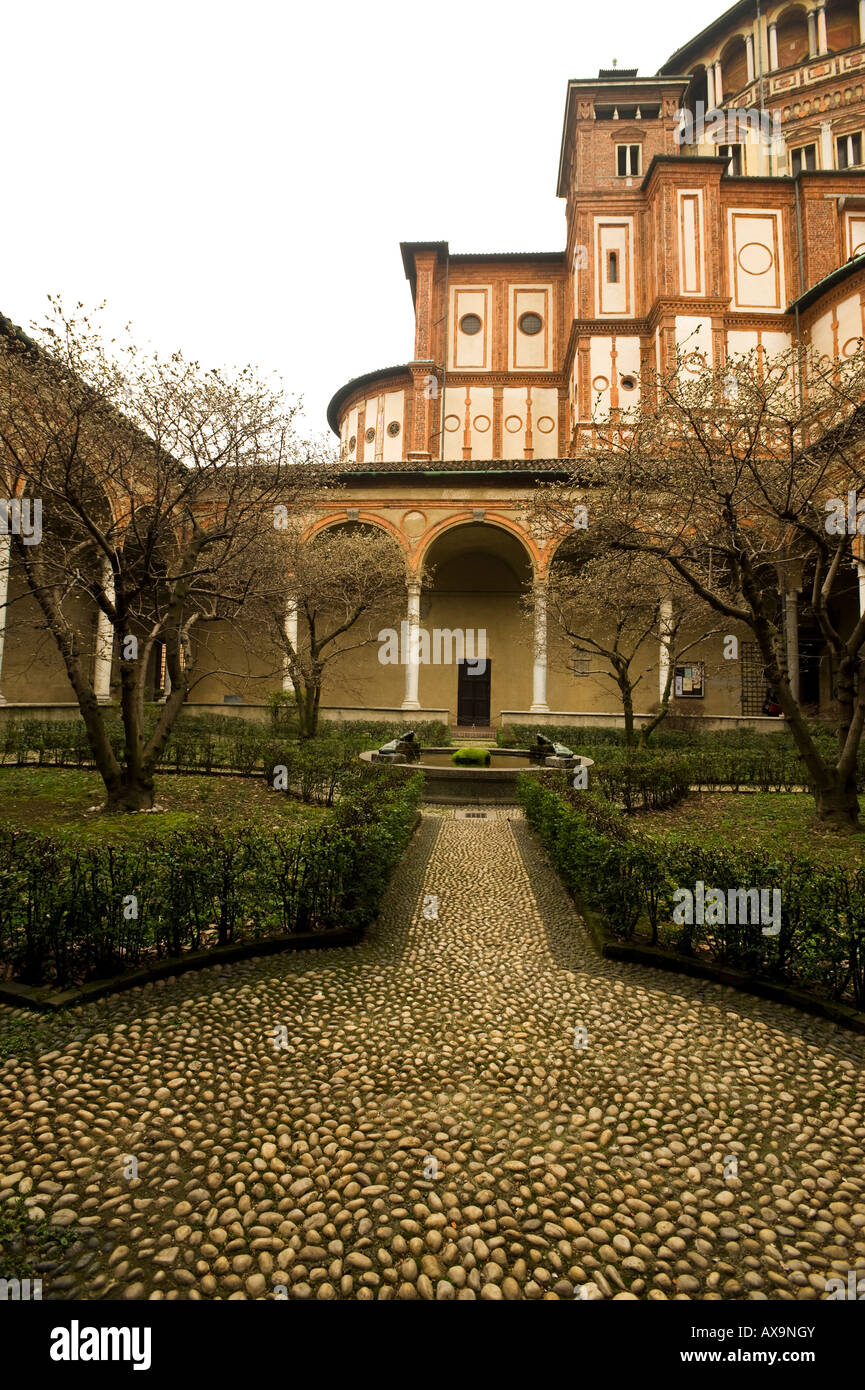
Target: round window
(393, 429)
(531, 323)
(629, 383)
(370, 435)
(470, 323)
(352, 444)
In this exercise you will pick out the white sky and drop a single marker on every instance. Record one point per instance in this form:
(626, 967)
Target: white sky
(235, 179)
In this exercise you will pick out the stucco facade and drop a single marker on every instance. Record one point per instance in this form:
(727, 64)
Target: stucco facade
(679, 238)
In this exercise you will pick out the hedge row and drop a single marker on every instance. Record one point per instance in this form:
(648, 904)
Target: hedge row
(69, 913)
(768, 762)
(631, 879)
(199, 743)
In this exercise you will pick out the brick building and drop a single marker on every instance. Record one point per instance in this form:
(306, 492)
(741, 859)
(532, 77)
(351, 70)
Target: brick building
(685, 228)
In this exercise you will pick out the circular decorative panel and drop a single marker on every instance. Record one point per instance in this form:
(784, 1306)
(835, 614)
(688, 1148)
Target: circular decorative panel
(851, 346)
(452, 422)
(482, 423)
(545, 424)
(600, 383)
(470, 323)
(694, 361)
(413, 523)
(755, 258)
(513, 423)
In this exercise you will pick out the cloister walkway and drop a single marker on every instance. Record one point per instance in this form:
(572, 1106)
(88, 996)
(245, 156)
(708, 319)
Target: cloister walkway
(468, 1104)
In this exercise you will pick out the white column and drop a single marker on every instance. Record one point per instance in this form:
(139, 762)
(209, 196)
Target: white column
(822, 37)
(710, 88)
(290, 629)
(791, 607)
(860, 570)
(412, 655)
(719, 84)
(539, 668)
(665, 625)
(812, 34)
(5, 556)
(749, 55)
(862, 21)
(773, 47)
(104, 649)
(827, 154)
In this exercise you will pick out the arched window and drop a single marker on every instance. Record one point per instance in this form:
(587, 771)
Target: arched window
(792, 38)
(842, 25)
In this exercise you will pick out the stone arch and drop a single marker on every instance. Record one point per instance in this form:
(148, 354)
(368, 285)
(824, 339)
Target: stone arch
(734, 66)
(842, 25)
(371, 519)
(477, 574)
(497, 521)
(792, 31)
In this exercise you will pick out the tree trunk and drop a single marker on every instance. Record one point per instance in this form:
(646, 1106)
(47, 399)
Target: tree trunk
(624, 685)
(307, 710)
(132, 792)
(838, 805)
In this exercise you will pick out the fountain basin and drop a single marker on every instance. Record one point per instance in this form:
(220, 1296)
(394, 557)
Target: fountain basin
(449, 785)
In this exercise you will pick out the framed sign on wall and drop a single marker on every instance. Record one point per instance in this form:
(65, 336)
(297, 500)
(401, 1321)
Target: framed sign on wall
(688, 681)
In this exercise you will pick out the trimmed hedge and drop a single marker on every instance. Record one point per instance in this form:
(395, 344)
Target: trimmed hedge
(63, 906)
(202, 743)
(768, 762)
(630, 880)
(471, 757)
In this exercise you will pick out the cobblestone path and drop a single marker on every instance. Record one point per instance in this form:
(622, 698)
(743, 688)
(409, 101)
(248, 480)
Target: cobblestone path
(414, 1117)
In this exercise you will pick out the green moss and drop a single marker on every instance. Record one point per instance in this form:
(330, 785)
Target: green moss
(471, 757)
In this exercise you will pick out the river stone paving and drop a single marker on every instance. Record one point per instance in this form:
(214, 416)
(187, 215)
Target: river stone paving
(416, 1117)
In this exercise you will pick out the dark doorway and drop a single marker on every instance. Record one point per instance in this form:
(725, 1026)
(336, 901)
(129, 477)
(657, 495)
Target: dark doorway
(473, 693)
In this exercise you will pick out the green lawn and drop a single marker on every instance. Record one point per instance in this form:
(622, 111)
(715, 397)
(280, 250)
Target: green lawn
(759, 820)
(61, 801)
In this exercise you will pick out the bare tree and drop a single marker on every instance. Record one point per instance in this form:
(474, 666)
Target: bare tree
(343, 584)
(155, 480)
(742, 480)
(610, 607)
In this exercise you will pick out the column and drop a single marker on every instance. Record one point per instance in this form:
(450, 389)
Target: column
(791, 614)
(665, 628)
(749, 55)
(860, 570)
(862, 21)
(539, 668)
(5, 556)
(710, 88)
(412, 655)
(827, 154)
(822, 37)
(773, 47)
(719, 84)
(812, 34)
(290, 629)
(104, 648)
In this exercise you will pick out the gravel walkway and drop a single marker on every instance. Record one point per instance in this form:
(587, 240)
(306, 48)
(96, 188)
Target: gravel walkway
(416, 1117)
